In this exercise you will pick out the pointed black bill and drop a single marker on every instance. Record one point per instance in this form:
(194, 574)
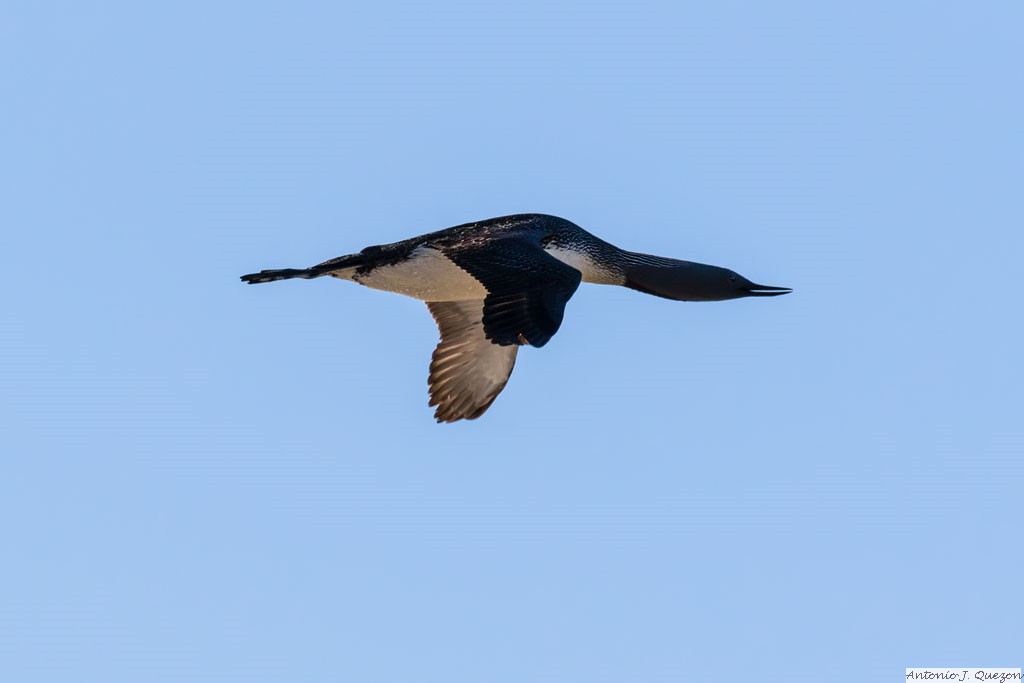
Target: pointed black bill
(764, 290)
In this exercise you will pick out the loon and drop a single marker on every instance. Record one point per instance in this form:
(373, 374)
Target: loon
(498, 284)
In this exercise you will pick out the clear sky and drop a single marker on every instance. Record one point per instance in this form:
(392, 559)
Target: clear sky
(205, 481)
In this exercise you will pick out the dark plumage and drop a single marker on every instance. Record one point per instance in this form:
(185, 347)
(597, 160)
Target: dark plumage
(498, 284)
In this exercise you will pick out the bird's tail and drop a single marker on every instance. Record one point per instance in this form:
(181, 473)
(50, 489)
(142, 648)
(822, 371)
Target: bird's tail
(279, 274)
(337, 267)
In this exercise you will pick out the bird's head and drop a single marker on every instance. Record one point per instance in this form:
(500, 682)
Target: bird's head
(689, 281)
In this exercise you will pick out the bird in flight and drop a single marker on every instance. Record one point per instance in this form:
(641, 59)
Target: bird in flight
(498, 284)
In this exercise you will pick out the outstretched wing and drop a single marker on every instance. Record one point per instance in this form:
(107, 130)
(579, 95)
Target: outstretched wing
(467, 370)
(527, 288)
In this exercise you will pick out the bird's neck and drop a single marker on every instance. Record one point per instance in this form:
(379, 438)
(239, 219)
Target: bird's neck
(665, 277)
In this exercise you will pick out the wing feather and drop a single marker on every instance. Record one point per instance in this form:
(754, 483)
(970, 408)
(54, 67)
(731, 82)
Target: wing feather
(467, 370)
(527, 288)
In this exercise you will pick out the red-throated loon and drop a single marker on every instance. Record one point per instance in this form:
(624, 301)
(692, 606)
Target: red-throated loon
(498, 284)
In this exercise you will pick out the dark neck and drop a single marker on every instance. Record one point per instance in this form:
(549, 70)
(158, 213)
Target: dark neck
(665, 277)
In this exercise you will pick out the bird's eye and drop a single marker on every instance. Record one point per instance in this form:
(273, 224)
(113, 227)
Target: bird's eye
(732, 278)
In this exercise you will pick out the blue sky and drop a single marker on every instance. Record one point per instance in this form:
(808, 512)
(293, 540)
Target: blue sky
(207, 481)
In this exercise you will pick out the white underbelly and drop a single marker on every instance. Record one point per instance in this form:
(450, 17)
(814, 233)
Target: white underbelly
(428, 275)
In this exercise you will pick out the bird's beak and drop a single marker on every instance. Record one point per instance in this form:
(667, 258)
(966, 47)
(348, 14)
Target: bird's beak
(764, 290)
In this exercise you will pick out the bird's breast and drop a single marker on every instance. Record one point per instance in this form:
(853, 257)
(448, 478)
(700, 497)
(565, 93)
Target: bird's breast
(593, 270)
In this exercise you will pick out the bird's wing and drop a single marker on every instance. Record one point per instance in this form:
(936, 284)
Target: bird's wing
(467, 370)
(527, 288)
